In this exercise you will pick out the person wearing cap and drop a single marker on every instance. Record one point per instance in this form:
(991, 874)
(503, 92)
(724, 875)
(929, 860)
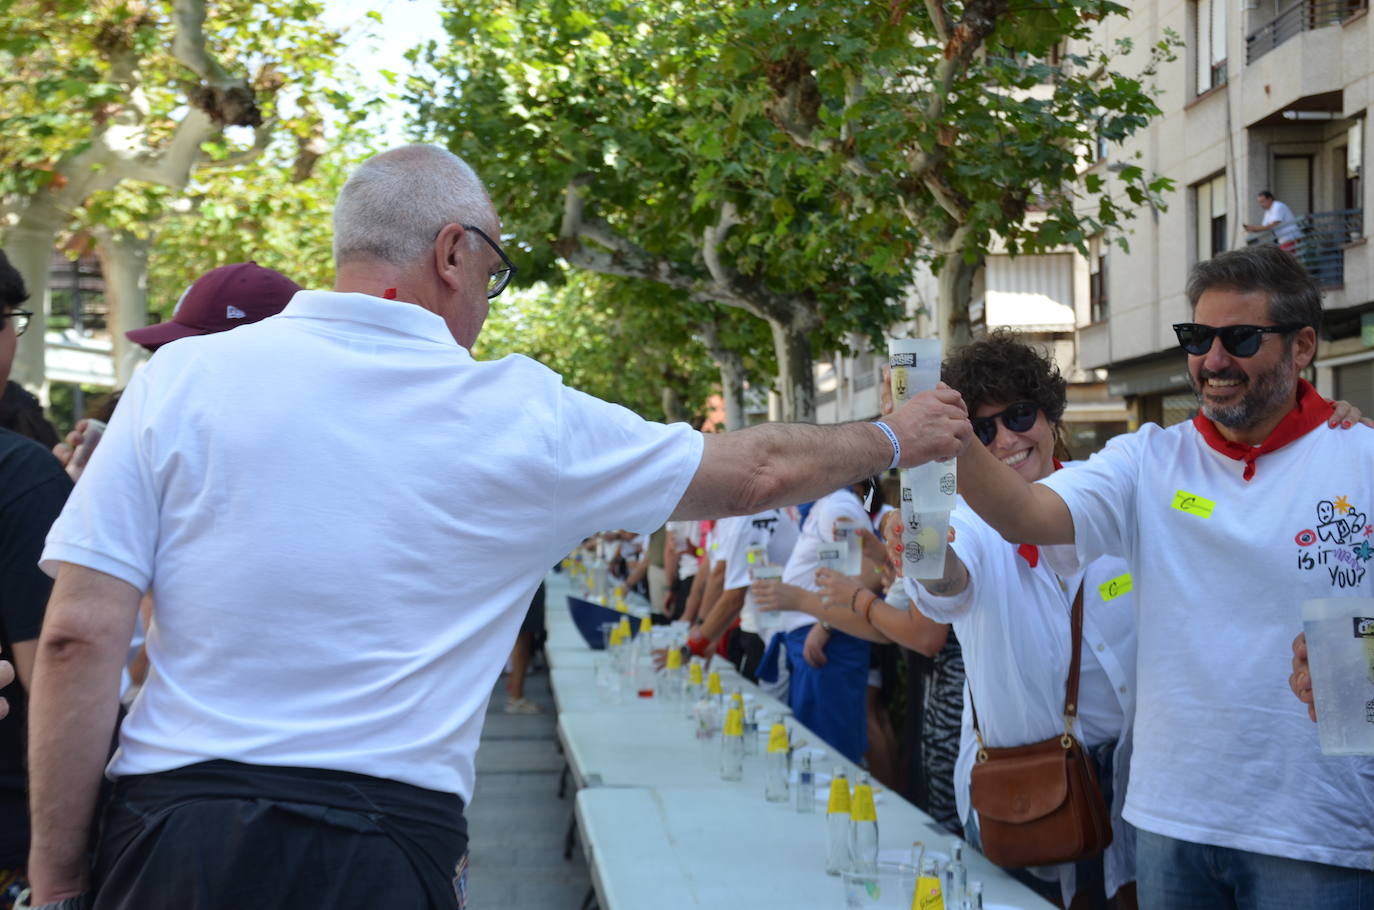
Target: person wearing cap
(333, 616)
(223, 298)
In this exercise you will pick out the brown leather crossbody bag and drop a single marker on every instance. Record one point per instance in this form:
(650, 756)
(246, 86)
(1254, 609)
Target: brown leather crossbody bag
(1040, 804)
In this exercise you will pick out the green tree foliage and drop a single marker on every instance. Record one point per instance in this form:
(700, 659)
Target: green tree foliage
(969, 120)
(108, 109)
(610, 138)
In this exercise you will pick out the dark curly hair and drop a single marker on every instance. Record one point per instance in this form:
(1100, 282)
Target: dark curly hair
(1000, 369)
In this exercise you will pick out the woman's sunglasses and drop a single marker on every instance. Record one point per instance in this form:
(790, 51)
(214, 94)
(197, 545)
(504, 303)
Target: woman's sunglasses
(1018, 418)
(1238, 340)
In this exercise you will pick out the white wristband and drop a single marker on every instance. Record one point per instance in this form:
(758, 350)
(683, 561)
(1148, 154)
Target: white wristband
(892, 438)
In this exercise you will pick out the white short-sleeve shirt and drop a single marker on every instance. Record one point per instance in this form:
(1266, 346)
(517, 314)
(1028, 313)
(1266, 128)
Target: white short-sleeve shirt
(818, 528)
(1224, 754)
(1012, 623)
(773, 530)
(343, 517)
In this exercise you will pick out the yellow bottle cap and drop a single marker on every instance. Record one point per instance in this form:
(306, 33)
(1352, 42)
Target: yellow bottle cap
(694, 674)
(624, 627)
(620, 606)
(777, 738)
(862, 808)
(645, 624)
(839, 796)
(734, 722)
(737, 700)
(713, 683)
(673, 659)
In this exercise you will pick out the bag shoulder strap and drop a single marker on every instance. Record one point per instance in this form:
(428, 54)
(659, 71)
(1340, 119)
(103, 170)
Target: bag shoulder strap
(1070, 688)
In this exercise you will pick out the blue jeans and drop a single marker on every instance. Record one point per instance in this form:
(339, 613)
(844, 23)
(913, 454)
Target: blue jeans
(1175, 874)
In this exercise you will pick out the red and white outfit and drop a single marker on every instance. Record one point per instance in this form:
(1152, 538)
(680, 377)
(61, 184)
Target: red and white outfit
(1224, 543)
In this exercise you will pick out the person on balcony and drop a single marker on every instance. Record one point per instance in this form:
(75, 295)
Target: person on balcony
(1278, 217)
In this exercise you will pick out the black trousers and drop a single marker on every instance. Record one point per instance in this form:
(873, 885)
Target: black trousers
(222, 835)
(745, 651)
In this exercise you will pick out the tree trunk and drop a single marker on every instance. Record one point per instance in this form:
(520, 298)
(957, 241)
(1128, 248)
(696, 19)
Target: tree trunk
(673, 411)
(956, 281)
(124, 262)
(29, 246)
(732, 378)
(796, 380)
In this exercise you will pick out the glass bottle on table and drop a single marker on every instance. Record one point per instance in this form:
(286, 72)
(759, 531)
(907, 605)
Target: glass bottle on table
(863, 827)
(775, 764)
(956, 875)
(732, 746)
(837, 825)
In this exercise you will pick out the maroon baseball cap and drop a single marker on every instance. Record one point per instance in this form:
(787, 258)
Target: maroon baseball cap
(221, 299)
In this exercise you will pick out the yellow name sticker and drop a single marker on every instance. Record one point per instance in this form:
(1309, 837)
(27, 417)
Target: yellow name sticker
(1193, 504)
(1113, 589)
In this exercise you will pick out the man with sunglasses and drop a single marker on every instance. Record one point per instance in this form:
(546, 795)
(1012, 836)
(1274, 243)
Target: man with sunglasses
(33, 489)
(1228, 523)
(333, 612)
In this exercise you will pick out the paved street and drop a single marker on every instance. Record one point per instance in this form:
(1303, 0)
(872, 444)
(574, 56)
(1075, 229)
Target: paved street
(516, 822)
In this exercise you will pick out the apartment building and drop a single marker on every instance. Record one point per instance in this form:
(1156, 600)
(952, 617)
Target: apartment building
(1265, 95)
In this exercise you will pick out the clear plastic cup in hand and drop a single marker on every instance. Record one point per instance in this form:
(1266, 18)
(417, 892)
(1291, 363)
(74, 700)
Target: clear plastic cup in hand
(913, 366)
(846, 531)
(1340, 654)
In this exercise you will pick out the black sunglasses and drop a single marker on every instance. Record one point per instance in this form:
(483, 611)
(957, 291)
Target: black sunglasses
(501, 277)
(1018, 418)
(1238, 340)
(21, 320)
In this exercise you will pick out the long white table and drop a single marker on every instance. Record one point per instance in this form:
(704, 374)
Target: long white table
(661, 829)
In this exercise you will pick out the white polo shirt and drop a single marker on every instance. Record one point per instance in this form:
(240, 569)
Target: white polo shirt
(1012, 622)
(773, 529)
(343, 517)
(818, 528)
(1224, 754)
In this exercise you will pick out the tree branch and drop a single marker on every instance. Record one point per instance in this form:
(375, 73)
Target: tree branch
(227, 100)
(262, 138)
(939, 19)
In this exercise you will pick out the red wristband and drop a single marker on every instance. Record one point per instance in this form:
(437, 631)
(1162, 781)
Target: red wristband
(698, 644)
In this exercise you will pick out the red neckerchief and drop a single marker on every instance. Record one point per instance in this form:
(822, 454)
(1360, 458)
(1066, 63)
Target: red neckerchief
(1029, 551)
(1311, 412)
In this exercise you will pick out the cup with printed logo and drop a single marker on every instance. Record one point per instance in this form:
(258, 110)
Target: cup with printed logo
(846, 531)
(1340, 653)
(770, 622)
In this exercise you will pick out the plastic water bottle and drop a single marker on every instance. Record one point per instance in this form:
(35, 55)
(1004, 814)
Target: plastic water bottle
(806, 787)
(956, 875)
(775, 765)
(732, 746)
(837, 825)
(863, 828)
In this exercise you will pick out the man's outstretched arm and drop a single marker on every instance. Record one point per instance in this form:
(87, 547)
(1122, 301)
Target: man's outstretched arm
(72, 710)
(1021, 512)
(781, 464)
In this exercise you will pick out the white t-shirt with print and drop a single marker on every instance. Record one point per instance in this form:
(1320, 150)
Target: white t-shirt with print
(344, 516)
(1012, 623)
(819, 528)
(687, 540)
(773, 529)
(1224, 754)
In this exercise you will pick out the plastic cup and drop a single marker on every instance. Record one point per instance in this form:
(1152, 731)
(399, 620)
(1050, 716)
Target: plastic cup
(847, 531)
(890, 888)
(914, 366)
(1340, 651)
(925, 538)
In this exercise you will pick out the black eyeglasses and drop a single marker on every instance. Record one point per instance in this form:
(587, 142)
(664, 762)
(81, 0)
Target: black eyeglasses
(1238, 340)
(501, 277)
(21, 320)
(1018, 418)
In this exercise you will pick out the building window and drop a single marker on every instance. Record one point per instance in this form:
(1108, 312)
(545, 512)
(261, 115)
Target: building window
(1097, 289)
(1209, 43)
(1209, 198)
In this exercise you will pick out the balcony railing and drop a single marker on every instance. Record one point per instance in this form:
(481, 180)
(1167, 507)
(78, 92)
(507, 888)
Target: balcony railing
(1319, 242)
(1303, 16)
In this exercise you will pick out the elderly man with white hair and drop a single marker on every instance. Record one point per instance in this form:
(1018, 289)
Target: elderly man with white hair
(324, 503)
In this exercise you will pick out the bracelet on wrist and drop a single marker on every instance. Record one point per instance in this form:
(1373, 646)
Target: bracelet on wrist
(892, 438)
